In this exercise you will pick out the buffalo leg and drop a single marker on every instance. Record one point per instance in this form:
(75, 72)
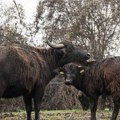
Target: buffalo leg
(37, 102)
(102, 102)
(28, 105)
(93, 108)
(115, 110)
(2, 87)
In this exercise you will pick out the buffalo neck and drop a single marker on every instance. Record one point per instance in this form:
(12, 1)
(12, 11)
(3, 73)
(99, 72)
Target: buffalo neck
(80, 82)
(51, 60)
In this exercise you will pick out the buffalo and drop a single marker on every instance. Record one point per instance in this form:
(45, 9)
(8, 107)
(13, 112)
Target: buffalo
(97, 78)
(26, 70)
(84, 100)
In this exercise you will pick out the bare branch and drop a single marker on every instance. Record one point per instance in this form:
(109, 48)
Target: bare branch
(18, 11)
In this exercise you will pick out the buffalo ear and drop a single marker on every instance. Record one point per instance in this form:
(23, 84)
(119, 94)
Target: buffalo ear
(58, 70)
(81, 69)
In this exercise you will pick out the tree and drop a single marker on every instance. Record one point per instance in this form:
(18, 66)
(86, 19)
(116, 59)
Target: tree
(93, 25)
(13, 27)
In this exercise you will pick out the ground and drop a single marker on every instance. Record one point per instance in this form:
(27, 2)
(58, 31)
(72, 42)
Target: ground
(59, 115)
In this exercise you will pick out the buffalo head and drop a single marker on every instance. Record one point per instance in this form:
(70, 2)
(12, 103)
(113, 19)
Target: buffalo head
(69, 52)
(72, 73)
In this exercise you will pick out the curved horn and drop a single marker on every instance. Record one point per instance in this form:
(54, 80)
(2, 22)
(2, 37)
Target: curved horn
(91, 60)
(59, 46)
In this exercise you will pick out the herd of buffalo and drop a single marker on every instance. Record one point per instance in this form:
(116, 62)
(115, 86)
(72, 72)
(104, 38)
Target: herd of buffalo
(26, 71)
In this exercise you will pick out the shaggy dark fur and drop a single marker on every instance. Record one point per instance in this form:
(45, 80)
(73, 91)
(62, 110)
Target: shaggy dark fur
(25, 71)
(101, 78)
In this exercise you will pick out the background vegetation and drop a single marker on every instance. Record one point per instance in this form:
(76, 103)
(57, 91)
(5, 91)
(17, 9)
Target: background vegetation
(93, 25)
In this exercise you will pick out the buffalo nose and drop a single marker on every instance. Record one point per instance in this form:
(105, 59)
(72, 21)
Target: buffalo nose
(68, 82)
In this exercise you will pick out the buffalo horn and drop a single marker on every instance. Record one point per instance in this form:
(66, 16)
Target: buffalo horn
(59, 46)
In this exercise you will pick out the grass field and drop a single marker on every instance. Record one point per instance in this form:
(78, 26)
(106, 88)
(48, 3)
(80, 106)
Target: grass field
(59, 115)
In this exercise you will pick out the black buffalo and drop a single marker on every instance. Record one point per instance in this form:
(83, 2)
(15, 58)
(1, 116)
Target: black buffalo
(25, 70)
(100, 78)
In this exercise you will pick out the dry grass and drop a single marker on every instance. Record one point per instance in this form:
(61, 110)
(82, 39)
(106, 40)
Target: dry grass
(59, 115)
